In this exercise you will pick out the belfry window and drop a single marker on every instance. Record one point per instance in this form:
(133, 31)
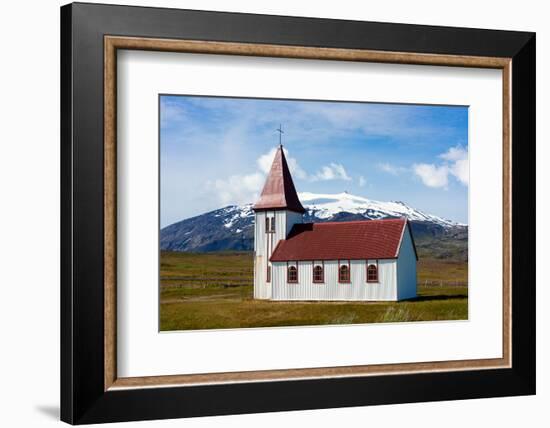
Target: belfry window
(270, 224)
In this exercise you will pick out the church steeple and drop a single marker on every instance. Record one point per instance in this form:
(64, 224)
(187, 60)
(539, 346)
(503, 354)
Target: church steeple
(279, 192)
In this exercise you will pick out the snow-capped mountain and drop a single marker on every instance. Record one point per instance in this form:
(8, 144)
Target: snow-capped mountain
(326, 206)
(232, 227)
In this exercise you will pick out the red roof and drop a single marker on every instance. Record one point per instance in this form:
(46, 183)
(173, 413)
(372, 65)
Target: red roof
(353, 240)
(279, 191)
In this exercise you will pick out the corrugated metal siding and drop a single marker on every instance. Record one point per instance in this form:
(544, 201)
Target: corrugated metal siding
(406, 269)
(261, 289)
(284, 220)
(280, 228)
(358, 289)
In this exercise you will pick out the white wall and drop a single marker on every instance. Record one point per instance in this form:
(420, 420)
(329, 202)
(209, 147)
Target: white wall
(265, 244)
(406, 268)
(331, 289)
(262, 290)
(29, 165)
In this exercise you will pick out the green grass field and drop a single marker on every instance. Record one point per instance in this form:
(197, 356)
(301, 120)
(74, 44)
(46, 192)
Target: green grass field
(214, 290)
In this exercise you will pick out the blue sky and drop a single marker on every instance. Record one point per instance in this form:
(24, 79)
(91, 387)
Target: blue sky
(216, 151)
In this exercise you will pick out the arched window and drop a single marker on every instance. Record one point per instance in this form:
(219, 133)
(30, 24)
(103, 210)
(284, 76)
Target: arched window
(343, 273)
(318, 274)
(292, 274)
(372, 272)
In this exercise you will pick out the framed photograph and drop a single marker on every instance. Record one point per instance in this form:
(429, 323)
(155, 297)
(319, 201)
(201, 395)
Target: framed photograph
(266, 213)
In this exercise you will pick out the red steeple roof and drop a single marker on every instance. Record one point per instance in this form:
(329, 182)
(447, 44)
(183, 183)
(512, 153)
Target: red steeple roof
(279, 191)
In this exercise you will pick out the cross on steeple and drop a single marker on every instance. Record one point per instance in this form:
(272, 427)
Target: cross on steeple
(280, 131)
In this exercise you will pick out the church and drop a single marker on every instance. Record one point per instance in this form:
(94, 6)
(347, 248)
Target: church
(370, 260)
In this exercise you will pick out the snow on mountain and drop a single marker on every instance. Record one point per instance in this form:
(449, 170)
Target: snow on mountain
(232, 227)
(233, 214)
(325, 206)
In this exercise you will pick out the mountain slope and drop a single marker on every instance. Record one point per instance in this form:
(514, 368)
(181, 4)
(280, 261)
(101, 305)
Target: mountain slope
(232, 227)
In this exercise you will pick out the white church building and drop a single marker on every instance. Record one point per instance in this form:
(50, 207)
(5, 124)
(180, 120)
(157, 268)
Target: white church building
(369, 260)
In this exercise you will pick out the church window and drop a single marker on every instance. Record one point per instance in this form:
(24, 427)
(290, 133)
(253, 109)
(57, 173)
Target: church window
(344, 273)
(292, 274)
(372, 272)
(318, 273)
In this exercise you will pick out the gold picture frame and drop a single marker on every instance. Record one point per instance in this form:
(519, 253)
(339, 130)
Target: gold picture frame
(114, 43)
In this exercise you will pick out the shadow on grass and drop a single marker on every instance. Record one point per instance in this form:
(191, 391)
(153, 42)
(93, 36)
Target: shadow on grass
(442, 297)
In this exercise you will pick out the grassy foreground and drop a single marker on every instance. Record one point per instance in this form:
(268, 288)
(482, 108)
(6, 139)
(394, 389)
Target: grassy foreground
(214, 291)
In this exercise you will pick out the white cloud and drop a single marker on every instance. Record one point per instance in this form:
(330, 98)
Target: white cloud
(454, 154)
(458, 163)
(334, 171)
(264, 163)
(432, 175)
(461, 170)
(238, 189)
(438, 175)
(391, 169)
(246, 188)
(362, 181)
(295, 169)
